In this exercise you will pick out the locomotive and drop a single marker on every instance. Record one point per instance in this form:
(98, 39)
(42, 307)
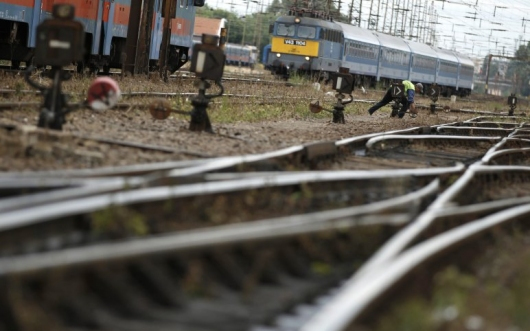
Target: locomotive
(105, 24)
(309, 42)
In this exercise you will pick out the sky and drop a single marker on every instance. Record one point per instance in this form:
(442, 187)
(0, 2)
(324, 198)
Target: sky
(473, 27)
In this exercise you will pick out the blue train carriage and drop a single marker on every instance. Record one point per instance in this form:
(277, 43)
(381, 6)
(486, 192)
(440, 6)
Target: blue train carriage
(361, 54)
(241, 55)
(305, 45)
(105, 23)
(116, 15)
(16, 18)
(447, 71)
(19, 20)
(394, 63)
(423, 64)
(181, 27)
(466, 70)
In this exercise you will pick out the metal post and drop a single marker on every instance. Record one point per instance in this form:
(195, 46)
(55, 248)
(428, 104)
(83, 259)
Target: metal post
(360, 12)
(199, 117)
(488, 73)
(168, 13)
(245, 24)
(138, 37)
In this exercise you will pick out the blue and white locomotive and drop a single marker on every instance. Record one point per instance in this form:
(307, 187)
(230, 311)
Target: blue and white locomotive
(307, 42)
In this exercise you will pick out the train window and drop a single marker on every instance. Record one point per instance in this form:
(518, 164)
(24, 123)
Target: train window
(448, 67)
(307, 32)
(466, 72)
(285, 30)
(423, 62)
(396, 57)
(361, 50)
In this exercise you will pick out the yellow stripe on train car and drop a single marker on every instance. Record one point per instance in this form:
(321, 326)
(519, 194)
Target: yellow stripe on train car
(294, 46)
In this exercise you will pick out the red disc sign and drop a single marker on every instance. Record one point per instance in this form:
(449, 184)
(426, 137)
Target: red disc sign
(104, 93)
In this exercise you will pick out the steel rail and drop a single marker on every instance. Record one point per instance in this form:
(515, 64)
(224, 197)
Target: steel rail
(371, 144)
(129, 170)
(495, 117)
(328, 174)
(353, 301)
(95, 186)
(406, 236)
(513, 151)
(62, 208)
(500, 144)
(84, 189)
(470, 130)
(220, 235)
(10, 182)
(366, 137)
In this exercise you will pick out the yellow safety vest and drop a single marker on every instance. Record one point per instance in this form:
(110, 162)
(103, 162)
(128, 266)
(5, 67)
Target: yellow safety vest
(408, 85)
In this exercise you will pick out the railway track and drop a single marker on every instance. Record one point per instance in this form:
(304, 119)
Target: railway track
(257, 242)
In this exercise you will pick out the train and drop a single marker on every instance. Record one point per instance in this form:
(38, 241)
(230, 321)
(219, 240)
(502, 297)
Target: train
(240, 55)
(309, 42)
(237, 55)
(106, 25)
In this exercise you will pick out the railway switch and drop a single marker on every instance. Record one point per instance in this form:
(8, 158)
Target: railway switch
(60, 42)
(208, 64)
(512, 102)
(434, 93)
(343, 84)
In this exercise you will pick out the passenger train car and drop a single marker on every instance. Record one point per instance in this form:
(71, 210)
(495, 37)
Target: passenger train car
(239, 55)
(106, 24)
(304, 42)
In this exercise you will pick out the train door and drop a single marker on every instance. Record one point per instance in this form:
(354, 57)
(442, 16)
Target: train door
(35, 20)
(380, 64)
(181, 34)
(437, 71)
(109, 8)
(156, 32)
(98, 26)
(411, 65)
(458, 69)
